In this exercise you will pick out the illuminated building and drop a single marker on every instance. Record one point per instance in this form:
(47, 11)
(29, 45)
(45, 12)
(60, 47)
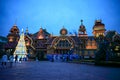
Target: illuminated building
(42, 43)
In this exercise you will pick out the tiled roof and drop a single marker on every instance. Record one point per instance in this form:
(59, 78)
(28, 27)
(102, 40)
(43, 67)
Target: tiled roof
(49, 41)
(10, 45)
(35, 34)
(76, 39)
(40, 44)
(12, 34)
(110, 34)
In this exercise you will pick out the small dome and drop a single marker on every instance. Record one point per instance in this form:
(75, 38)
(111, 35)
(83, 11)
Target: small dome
(63, 31)
(82, 27)
(98, 25)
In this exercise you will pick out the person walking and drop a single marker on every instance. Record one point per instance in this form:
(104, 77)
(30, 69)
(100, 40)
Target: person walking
(4, 60)
(11, 58)
(20, 60)
(16, 58)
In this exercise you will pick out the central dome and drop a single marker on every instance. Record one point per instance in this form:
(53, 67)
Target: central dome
(63, 31)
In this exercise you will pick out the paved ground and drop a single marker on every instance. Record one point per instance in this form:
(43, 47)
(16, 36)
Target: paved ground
(45, 70)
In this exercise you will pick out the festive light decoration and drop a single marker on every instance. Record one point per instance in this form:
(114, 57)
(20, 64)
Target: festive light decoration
(21, 48)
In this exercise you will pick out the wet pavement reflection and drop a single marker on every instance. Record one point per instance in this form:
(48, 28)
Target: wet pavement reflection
(45, 70)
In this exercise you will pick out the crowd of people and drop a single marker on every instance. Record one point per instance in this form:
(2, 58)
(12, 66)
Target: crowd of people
(7, 61)
(62, 57)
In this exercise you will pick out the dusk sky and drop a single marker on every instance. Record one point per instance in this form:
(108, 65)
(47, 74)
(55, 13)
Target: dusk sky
(54, 14)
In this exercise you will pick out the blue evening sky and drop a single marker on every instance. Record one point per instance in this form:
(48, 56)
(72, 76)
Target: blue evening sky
(54, 14)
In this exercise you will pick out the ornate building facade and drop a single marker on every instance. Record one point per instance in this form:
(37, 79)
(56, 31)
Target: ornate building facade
(42, 43)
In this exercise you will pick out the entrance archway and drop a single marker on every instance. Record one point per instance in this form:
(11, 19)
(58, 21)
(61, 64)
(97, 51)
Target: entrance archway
(63, 44)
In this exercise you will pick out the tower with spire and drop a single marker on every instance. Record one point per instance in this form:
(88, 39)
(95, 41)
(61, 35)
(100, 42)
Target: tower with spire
(82, 35)
(98, 28)
(82, 30)
(13, 36)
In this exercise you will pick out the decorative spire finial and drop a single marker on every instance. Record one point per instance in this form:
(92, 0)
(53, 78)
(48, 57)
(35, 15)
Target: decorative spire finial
(81, 22)
(40, 27)
(15, 21)
(22, 30)
(26, 29)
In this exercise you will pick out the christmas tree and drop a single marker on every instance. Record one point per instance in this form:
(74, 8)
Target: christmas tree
(21, 48)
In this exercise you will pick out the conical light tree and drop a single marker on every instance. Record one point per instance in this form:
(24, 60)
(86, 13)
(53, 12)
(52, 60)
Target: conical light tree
(21, 50)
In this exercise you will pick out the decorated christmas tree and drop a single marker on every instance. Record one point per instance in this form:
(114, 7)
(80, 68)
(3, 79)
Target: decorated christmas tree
(20, 50)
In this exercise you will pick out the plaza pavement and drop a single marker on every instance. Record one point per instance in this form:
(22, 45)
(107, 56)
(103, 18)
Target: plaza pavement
(45, 70)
